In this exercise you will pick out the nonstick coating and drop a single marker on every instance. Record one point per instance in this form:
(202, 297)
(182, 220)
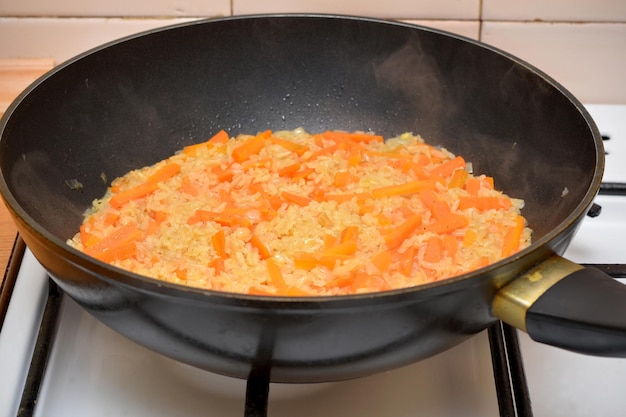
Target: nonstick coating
(133, 102)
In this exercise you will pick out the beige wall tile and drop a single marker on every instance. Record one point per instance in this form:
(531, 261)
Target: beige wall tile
(587, 59)
(62, 39)
(555, 10)
(405, 9)
(170, 8)
(467, 28)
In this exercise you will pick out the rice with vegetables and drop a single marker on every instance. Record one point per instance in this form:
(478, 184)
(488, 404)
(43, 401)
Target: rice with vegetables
(299, 214)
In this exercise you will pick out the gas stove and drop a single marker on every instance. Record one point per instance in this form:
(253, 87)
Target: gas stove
(56, 360)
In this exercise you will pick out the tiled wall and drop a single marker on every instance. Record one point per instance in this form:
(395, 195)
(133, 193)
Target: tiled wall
(580, 43)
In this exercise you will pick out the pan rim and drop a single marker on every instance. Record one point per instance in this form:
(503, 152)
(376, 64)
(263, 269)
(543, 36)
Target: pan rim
(118, 275)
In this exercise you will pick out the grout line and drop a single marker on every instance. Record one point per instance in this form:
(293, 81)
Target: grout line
(480, 20)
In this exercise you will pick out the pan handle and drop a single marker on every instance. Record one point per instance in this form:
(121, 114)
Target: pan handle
(566, 305)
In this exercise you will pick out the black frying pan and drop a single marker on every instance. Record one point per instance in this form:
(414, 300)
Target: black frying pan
(133, 102)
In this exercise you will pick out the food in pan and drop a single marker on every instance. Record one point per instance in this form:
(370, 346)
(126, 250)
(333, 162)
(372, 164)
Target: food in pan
(296, 214)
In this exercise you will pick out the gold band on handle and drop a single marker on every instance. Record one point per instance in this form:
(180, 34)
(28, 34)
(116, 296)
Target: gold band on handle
(513, 300)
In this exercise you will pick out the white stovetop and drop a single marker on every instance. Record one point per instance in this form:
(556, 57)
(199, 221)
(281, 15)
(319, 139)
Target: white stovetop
(97, 372)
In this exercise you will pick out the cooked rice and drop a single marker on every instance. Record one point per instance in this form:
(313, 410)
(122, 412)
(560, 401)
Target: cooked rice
(250, 198)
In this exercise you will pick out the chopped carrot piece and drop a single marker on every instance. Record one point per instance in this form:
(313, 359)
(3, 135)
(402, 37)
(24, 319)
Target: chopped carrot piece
(402, 232)
(296, 199)
(354, 159)
(289, 170)
(303, 173)
(224, 219)
(472, 186)
(318, 194)
(368, 282)
(329, 241)
(342, 198)
(164, 173)
(218, 265)
(434, 249)
(308, 261)
(117, 240)
(383, 260)
(188, 187)
(328, 150)
(450, 245)
(447, 224)
(512, 237)
(447, 168)
(459, 177)
(479, 263)
(139, 191)
(348, 247)
(158, 216)
(219, 243)
(337, 136)
(340, 282)
(484, 203)
(276, 275)
(305, 260)
(383, 220)
(295, 292)
(289, 145)
(88, 238)
(146, 188)
(153, 227)
(256, 163)
(248, 148)
(181, 273)
(110, 218)
(275, 202)
(403, 157)
(469, 237)
(260, 246)
(404, 189)
(343, 178)
(259, 291)
(219, 137)
(435, 205)
(119, 253)
(350, 233)
(406, 260)
(223, 174)
(416, 169)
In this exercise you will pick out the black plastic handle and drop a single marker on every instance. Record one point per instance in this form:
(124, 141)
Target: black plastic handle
(584, 312)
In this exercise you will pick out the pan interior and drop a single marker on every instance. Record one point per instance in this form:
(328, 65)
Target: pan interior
(137, 101)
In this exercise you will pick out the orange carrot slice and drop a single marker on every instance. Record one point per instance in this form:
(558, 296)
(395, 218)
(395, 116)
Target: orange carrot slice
(260, 246)
(404, 189)
(295, 199)
(484, 203)
(250, 147)
(512, 236)
(434, 249)
(219, 243)
(447, 168)
(121, 240)
(402, 232)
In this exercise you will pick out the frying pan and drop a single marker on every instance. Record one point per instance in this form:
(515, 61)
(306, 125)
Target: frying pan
(137, 100)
